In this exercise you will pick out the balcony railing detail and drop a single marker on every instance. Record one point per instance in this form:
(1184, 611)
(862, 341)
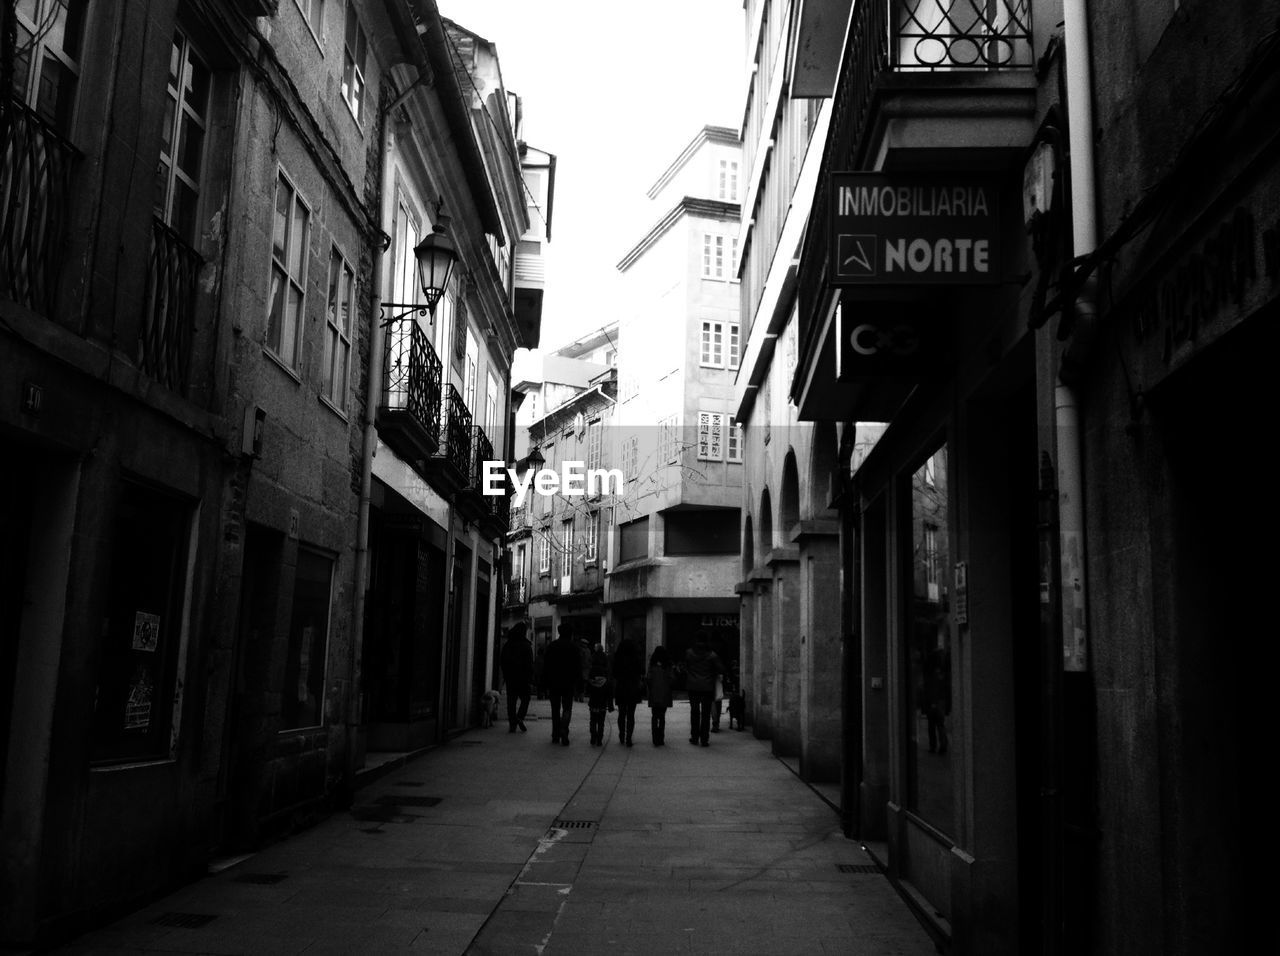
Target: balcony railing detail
(482, 451)
(413, 373)
(35, 183)
(455, 433)
(517, 590)
(168, 320)
(962, 34)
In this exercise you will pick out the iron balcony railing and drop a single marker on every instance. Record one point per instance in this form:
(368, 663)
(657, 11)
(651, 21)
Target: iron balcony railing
(518, 590)
(168, 319)
(917, 37)
(521, 518)
(481, 451)
(413, 373)
(455, 433)
(501, 511)
(35, 200)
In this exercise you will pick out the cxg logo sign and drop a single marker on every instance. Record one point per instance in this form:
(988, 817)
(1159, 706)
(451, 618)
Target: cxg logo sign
(870, 339)
(573, 480)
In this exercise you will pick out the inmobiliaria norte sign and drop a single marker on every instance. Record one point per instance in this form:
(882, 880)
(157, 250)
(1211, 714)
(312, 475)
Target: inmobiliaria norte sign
(913, 228)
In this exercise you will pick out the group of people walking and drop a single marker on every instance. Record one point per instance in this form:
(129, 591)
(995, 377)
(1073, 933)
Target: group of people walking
(620, 683)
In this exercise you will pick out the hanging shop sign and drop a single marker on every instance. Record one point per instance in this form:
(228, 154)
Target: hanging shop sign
(888, 340)
(913, 229)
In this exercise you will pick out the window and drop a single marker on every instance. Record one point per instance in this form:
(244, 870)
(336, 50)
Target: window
(714, 263)
(566, 553)
(712, 351)
(469, 384)
(544, 550)
(288, 271)
(46, 58)
(634, 540)
(405, 277)
(668, 444)
(595, 452)
(313, 13)
(138, 662)
(302, 696)
(734, 347)
(702, 532)
(630, 454)
(593, 535)
(728, 180)
(339, 310)
(711, 436)
(353, 55)
(182, 139)
(733, 446)
(491, 407)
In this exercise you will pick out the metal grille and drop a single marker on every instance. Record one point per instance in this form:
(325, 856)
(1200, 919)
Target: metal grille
(573, 824)
(962, 34)
(457, 432)
(35, 168)
(413, 374)
(184, 920)
(857, 868)
(168, 321)
(262, 879)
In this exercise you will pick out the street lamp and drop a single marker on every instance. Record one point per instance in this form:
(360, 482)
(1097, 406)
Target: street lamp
(436, 256)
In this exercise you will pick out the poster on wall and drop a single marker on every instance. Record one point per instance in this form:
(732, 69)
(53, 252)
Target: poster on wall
(146, 631)
(137, 707)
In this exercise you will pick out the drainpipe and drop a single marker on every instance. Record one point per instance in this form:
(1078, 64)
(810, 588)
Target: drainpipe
(1071, 641)
(373, 394)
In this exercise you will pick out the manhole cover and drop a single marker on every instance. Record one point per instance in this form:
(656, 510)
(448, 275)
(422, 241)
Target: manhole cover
(857, 868)
(406, 800)
(263, 879)
(573, 824)
(185, 920)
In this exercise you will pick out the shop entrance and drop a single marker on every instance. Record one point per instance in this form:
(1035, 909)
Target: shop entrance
(722, 634)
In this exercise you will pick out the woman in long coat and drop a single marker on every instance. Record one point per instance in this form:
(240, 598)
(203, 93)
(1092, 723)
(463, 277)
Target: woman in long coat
(660, 693)
(628, 675)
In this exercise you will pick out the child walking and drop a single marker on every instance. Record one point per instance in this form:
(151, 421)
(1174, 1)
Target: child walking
(599, 694)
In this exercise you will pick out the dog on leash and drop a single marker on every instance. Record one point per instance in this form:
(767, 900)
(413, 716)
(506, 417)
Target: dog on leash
(489, 707)
(737, 710)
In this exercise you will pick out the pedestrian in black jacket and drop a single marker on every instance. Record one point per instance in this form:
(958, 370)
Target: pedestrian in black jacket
(517, 671)
(660, 696)
(628, 677)
(599, 694)
(701, 666)
(563, 675)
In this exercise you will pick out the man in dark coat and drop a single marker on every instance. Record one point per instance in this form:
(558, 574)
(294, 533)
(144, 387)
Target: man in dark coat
(701, 667)
(517, 671)
(563, 675)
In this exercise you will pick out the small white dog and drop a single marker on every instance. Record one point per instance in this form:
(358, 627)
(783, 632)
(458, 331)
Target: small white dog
(489, 707)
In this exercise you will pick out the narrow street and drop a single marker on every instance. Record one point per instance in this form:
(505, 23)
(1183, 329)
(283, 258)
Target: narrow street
(503, 843)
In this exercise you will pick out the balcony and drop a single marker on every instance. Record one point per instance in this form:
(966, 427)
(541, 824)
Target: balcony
(35, 200)
(410, 412)
(923, 85)
(450, 469)
(521, 523)
(473, 503)
(168, 319)
(517, 592)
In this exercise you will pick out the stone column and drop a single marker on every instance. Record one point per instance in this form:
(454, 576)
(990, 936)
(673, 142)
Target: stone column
(763, 654)
(784, 565)
(746, 633)
(820, 650)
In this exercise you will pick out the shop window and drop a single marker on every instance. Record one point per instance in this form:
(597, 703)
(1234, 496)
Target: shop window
(46, 60)
(701, 532)
(302, 697)
(931, 734)
(145, 627)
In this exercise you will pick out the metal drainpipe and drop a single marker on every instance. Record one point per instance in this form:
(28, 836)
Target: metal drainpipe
(1071, 577)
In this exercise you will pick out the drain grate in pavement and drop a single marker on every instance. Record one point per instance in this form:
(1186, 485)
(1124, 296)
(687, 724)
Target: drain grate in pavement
(409, 783)
(262, 879)
(857, 868)
(406, 800)
(573, 824)
(185, 920)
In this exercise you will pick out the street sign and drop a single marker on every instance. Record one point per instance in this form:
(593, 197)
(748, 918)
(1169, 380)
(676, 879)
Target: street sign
(913, 229)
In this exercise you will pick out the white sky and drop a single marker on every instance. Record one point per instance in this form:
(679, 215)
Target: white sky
(615, 91)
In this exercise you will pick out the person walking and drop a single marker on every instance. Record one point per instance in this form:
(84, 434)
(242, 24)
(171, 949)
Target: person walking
(599, 694)
(660, 697)
(517, 671)
(702, 666)
(628, 673)
(564, 677)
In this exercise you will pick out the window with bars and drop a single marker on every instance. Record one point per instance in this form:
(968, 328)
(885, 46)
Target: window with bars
(354, 51)
(288, 271)
(711, 436)
(182, 137)
(339, 312)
